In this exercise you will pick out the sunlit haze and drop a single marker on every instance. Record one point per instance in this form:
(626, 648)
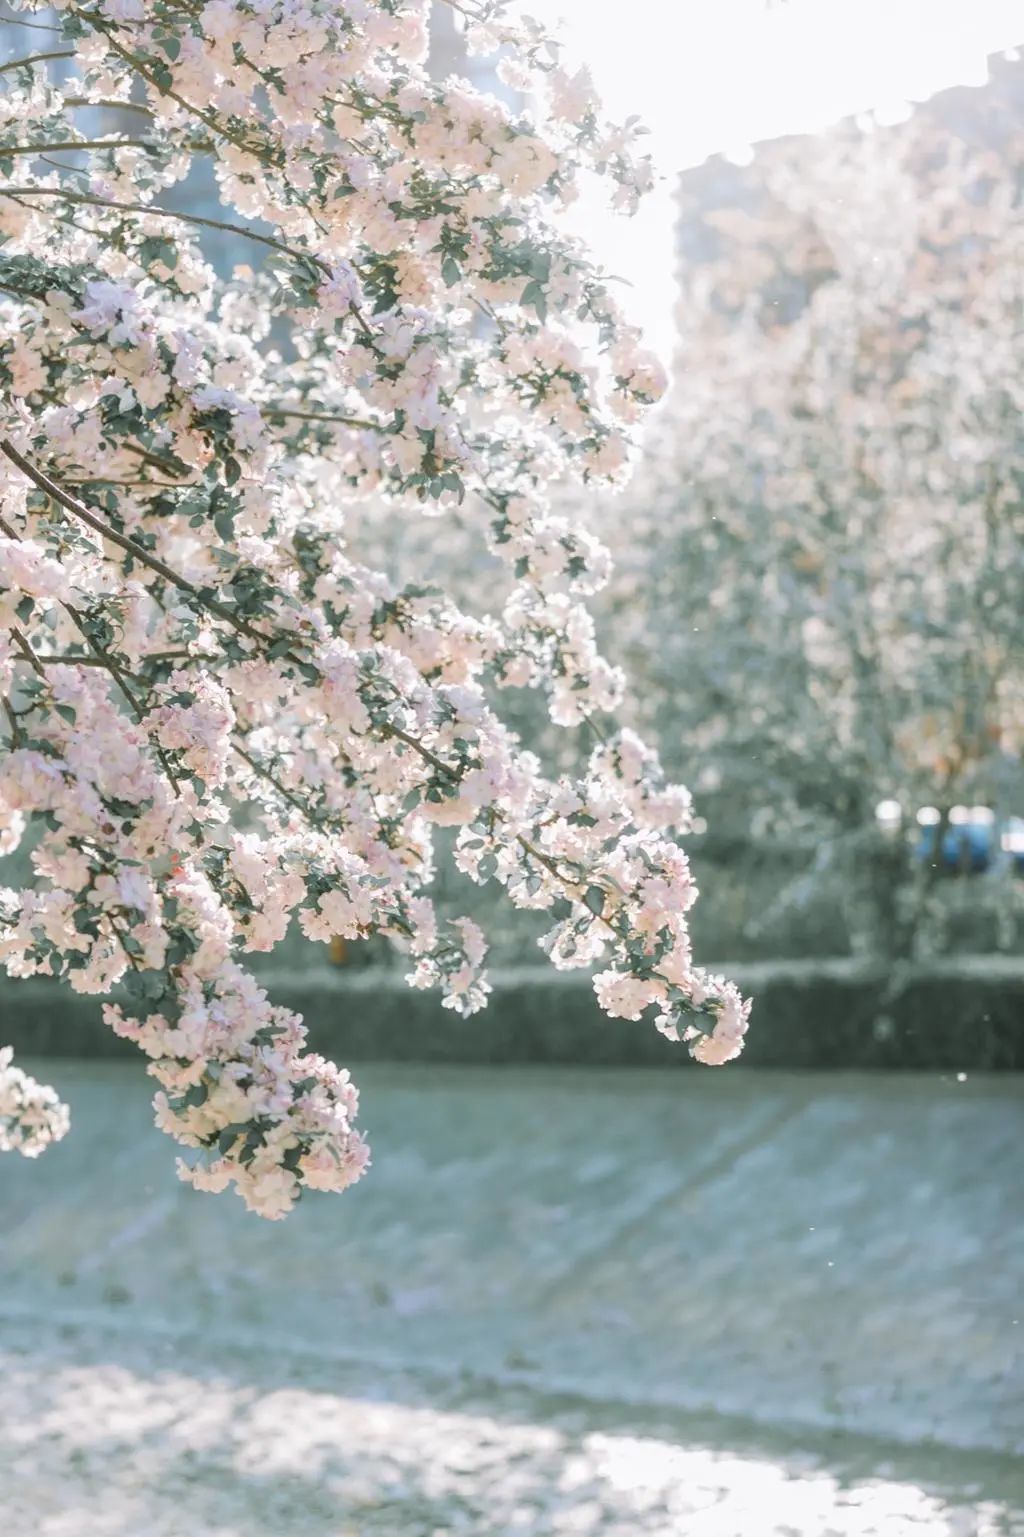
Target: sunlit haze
(718, 78)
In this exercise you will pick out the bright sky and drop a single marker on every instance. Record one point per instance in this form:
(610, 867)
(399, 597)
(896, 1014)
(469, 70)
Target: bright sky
(710, 75)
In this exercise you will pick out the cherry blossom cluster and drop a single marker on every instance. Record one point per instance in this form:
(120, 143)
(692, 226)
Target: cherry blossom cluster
(220, 722)
(31, 1115)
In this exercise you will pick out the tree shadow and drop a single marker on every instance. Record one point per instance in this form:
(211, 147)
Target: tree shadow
(124, 1434)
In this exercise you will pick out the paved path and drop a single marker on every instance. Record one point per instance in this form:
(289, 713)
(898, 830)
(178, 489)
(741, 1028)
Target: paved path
(581, 1302)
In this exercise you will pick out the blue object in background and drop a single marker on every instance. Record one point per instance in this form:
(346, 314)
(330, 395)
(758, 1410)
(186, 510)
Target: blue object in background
(972, 847)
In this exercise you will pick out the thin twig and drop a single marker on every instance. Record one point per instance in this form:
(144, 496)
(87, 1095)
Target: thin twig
(163, 465)
(271, 779)
(37, 58)
(165, 90)
(68, 659)
(68, 144)
(112, 103)
(99, 659)
(37, 26)
(106, 480)
(143, 555)
(92, 200)
(17, 732)
(323, 416)
(25, 648)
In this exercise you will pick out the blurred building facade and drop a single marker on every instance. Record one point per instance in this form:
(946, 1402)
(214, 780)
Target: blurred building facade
(725, 204)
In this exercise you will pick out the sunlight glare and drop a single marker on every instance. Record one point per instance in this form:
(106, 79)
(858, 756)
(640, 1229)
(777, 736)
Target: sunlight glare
(709, 79)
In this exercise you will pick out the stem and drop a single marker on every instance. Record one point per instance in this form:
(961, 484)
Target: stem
(453, 5)
(105, 480)
(180, 655)
(599, 732)
(119, 936)
(524, 843)
(366, 329)
(35, 26)
(119, 677)
(424, 752)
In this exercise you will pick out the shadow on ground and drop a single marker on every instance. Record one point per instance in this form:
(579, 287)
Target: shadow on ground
(566, 1301)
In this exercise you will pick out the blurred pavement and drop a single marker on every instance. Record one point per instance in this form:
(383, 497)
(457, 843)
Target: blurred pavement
(563, 1301)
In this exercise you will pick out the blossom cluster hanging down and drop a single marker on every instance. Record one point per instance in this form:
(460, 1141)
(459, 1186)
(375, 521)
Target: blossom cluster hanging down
(31, 1115)
(217, 720)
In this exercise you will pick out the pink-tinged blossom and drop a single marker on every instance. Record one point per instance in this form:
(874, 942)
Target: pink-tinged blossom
(224, 721)
(112, 311)
(31, 1115)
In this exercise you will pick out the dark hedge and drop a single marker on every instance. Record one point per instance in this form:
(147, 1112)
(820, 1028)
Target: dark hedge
(962, 1013)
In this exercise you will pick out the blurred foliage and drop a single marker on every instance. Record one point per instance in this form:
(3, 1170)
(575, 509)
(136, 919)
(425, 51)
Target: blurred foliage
(820, 566)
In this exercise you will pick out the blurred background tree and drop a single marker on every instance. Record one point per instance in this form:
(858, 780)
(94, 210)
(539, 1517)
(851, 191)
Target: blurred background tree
(829, 529)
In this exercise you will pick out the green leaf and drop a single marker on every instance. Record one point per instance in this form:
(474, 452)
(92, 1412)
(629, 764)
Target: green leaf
(594, 899)
(230, 1135)
(534, 295)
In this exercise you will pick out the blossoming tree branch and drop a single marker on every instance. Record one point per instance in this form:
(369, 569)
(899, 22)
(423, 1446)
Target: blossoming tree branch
(217, 721)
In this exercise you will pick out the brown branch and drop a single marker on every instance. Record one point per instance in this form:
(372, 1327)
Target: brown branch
(116, 672)
(571, 886)
(68, 659)
(106, 480)
(37, 26)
